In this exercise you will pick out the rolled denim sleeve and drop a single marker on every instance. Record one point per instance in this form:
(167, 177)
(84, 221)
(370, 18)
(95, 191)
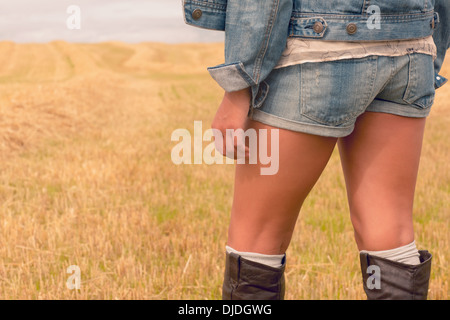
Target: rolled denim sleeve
(441, 37)
(256, 32)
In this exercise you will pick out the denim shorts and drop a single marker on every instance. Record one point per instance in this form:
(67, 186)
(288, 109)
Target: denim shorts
(326, 98)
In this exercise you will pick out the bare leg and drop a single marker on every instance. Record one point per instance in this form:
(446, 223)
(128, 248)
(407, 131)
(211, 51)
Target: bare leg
(380, 160)
(265, 207)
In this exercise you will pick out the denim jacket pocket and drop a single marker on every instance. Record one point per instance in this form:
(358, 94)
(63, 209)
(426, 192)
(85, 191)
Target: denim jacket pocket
(420, 90)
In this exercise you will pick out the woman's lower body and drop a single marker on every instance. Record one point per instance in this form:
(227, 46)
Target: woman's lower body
(374, 110)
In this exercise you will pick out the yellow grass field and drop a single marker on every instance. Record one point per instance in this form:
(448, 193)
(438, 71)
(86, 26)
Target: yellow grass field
(86, 179)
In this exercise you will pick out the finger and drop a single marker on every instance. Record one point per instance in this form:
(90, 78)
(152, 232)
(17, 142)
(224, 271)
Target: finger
(218, 141)
(241, 145)
(235, 146)
(241, 153)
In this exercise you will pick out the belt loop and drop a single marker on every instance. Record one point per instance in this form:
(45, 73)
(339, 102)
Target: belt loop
(436, 20)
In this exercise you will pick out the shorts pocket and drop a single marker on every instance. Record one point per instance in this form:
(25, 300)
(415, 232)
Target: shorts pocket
(336, 92)
(420, 89)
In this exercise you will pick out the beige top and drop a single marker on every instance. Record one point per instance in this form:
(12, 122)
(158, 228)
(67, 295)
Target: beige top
(304, 50)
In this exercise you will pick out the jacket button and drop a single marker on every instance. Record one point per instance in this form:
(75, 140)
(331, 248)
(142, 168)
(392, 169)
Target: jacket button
(197, 14)
(351, 28)
(318, 27)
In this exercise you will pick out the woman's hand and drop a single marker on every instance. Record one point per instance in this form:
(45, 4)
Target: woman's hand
(232, 115)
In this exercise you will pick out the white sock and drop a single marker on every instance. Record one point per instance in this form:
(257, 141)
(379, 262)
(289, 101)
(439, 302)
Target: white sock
(406, 254)
(274, 260)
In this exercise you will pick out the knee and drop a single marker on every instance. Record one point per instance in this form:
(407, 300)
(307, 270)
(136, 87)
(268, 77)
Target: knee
(373, 234)
(260, 240)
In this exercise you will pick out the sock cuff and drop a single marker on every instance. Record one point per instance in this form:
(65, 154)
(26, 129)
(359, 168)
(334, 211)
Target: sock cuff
(273, 260)
(405, 254)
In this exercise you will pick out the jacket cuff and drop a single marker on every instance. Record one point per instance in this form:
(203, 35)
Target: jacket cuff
(231, 76)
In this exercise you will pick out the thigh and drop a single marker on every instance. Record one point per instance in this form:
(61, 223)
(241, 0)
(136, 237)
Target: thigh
(265, 207)
(380, 160)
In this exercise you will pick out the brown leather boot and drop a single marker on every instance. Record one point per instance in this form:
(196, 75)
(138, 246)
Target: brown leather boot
(384, 279)
(249, 280)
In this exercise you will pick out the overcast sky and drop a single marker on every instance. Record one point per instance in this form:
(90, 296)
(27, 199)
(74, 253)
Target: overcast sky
(101, 20)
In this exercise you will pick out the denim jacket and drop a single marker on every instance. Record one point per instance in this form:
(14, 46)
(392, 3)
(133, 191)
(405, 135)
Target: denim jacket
(256, 31)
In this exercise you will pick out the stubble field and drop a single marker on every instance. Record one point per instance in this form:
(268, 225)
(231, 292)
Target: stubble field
(86, 179)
